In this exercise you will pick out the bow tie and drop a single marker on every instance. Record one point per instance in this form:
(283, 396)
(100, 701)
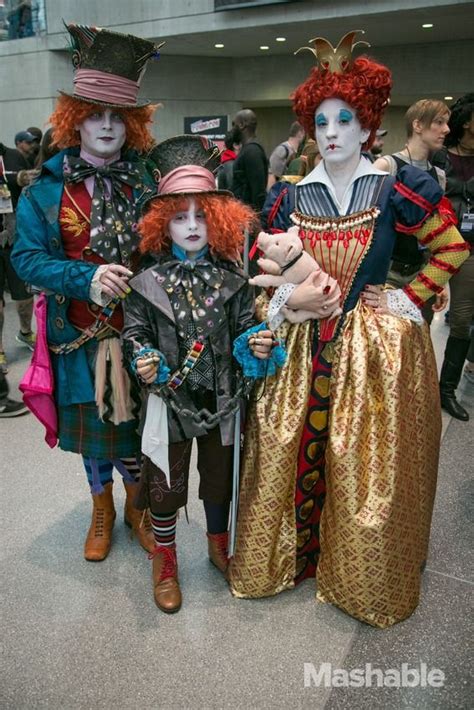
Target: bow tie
(124, 171)
(186, 272)
(113, 217)
(194, 291)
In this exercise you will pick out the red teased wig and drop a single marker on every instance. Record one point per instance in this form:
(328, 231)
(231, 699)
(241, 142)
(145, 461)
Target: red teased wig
(365, 86)
(226, 220)
(69, 112)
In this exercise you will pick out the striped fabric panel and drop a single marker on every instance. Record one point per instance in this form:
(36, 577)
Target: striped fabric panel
(315, 199)
(363, 195)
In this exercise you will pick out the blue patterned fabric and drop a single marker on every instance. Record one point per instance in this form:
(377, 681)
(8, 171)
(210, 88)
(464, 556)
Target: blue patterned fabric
(39, 259)
(163, 370)
(252, 366)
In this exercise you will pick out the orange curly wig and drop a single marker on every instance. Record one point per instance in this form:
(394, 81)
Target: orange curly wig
(226, 220)
(365, 86)
(69, 112)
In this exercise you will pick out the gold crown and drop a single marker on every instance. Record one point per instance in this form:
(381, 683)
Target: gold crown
(336, 60)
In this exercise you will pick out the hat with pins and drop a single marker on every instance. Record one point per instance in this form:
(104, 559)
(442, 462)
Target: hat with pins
(109, 66)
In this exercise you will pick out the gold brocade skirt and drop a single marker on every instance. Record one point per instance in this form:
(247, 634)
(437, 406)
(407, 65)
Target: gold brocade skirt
(264, 561)
(381, 468)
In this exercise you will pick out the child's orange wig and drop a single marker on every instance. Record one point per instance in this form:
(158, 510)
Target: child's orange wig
(69, 112)
(226, 220)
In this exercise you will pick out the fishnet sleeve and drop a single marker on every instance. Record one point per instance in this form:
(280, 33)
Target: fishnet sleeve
(448, 251)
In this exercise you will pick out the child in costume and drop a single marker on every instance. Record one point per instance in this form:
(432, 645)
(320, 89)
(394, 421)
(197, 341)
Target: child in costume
(76, 240)
(189, 303)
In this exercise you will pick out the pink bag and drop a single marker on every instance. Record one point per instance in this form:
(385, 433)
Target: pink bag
(37, 384)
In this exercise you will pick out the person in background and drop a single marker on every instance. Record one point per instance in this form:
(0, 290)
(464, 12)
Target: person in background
(426, 123)
(38, 135)
(427, 126)
(250, 169)
(284, 153)
(376, 148)
(19, 19)
(251, 165)
(459, 166)
(225, 171)
(14, 176)
(26, 143)
(9, 407)
(280, 201)
(47, 148)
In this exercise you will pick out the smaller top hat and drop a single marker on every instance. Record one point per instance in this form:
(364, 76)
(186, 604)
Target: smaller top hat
(108, 66)
(185, 165)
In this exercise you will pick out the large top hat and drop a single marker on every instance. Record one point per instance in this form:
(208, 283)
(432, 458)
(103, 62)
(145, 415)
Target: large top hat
(108, 66)
(185, 165)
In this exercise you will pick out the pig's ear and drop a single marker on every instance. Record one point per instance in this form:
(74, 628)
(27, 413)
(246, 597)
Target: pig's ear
(261, 238)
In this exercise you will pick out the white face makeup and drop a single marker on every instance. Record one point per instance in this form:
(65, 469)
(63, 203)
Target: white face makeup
(338, 131)
(102, 133)
(188, 229)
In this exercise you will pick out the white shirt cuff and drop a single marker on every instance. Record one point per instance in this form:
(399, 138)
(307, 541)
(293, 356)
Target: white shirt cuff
(95, 290)
(400, 305)
(279, 299)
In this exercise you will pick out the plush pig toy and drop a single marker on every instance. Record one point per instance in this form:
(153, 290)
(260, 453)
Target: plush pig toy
(286, 262)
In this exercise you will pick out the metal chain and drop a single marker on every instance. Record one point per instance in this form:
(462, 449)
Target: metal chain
(204, 417)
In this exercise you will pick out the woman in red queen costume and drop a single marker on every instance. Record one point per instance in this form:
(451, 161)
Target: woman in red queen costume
(353, 418)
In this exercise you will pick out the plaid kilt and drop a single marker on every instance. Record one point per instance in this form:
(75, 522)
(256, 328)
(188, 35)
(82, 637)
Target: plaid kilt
(81, 431)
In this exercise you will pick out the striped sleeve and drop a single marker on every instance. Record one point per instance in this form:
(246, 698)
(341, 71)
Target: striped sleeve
(448, 251)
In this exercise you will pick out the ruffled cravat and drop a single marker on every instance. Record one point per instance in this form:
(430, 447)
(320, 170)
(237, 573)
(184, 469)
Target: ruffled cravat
(194, 288)
(113, 220)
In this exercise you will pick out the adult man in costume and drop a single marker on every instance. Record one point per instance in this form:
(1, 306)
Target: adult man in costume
(77, 238)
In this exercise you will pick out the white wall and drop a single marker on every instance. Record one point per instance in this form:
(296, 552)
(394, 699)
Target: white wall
(31, 74)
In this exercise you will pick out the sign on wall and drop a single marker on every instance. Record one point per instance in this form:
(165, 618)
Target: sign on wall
(213, 127)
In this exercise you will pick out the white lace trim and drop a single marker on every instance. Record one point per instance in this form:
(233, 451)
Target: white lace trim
(400, 305)
(95, 290)
(279, 299)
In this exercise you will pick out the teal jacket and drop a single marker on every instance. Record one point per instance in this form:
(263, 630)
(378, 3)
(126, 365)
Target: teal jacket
(39, 259)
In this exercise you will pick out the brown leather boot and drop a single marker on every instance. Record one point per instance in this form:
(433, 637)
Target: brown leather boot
(99, 537)
(217, 546)
(138, 520)
(165, 579)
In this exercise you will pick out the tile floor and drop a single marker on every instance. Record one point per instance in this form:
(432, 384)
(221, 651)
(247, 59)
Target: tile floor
(83, 635)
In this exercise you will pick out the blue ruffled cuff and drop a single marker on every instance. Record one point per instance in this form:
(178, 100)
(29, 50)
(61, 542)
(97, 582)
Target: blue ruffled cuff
(252, 366)
(163, 369)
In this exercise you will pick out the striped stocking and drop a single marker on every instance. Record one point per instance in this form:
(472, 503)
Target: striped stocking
(164, 528)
